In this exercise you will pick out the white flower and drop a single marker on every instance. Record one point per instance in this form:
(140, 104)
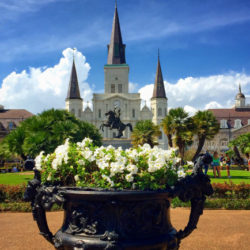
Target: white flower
(81, 162)
(76, 177)
(115, 168)
(105, 177)
(181, 173)
(38, 161)
(190, 163)
(129, 177)
(132, 169)
(49, 177)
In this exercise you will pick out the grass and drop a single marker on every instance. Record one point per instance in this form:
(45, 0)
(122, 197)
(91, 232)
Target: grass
(16, 178)
(237, 176)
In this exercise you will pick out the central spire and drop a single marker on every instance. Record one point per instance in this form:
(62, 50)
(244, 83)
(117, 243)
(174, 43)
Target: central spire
(159, 89)
(116, 49)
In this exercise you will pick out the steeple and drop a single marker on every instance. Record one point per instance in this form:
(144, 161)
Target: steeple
(240, 94)
(159, 89)
(73, 90)
(116, 49)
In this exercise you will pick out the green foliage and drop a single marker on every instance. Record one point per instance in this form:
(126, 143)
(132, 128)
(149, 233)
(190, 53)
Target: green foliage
(178, 128)
(145, 132)
(231, 190)
(205, 126)
(12, 193)
(242, 142)
(44, 132)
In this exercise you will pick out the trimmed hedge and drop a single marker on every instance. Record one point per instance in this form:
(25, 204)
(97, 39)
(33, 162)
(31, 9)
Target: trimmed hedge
(9, 193)
(231, 190)
(226, 195)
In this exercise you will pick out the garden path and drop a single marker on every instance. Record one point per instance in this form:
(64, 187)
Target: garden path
(217, 230)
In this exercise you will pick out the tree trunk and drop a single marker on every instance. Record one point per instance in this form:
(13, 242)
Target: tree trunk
(238, 157)
(199, 148)
(170, 141)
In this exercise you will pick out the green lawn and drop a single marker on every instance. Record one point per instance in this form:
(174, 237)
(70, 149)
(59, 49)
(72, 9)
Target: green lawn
(237, 176)
(16, 178)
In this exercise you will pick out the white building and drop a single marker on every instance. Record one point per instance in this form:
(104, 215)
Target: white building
(117, 94)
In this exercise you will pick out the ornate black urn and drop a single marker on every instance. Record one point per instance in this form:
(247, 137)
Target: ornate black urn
(110, 219)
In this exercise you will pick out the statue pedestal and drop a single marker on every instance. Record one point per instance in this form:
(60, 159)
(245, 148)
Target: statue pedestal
(117, 142)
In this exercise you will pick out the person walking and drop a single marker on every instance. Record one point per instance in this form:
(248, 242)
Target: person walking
(216, 164)
(206, 165)
(222, 162)
(227, 161)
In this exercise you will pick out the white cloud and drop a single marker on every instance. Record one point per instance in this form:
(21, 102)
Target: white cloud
(133, 87)
(202, 92)
(42, 88)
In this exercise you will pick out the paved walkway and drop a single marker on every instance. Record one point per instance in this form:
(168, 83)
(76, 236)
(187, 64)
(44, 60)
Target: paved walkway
(217, 229)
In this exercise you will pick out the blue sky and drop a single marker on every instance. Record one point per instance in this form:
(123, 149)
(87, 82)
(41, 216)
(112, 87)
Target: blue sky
(197, 39)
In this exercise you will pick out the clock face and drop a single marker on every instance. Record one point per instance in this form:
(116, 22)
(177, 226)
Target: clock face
(117, 103)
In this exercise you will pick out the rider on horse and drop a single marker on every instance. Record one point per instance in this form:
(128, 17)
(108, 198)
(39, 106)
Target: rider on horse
(117, 120)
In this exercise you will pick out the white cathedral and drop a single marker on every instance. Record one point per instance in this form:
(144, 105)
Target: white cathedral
(117, 93)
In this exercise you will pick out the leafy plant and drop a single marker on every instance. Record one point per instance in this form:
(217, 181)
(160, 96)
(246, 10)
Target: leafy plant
(85, 165)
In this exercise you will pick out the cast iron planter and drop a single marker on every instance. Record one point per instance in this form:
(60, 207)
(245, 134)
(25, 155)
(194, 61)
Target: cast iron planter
(109, 219)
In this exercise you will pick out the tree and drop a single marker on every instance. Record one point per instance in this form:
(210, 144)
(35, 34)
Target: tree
(205, 127)
(44, 132)
(177, 126)
(145, 132)
(242, 144)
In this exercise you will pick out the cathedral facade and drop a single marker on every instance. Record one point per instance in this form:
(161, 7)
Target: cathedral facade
(117, 95)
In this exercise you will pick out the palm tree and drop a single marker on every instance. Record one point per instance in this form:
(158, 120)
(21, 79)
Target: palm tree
(145, 132)
(205, 127)
(176, 125)
(15, 141)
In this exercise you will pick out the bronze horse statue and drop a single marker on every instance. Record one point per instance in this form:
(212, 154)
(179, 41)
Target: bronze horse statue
(114, 122)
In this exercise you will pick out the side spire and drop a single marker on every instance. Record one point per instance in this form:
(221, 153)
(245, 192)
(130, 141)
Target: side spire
(159, 89)
(73, 90)
(116, 49)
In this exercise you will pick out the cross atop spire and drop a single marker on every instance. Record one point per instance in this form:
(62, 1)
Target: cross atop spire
(159, 89)
(116, 49)
(73, 90)
(239, 88)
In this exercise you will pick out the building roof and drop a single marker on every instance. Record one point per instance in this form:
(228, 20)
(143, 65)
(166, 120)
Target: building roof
(232, 115)
(116, 49)
(159, 89)
(73, 90)
(14, 114)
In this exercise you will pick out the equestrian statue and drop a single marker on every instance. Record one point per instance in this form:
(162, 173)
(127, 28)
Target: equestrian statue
(114, 122)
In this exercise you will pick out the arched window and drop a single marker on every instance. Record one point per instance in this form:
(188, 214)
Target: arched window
(165, 113)
(73, 111)
(159, 112)
(112, 88)
(237, 123)
(133, 113)
(223, 123)
(99, 113)
(79, 113)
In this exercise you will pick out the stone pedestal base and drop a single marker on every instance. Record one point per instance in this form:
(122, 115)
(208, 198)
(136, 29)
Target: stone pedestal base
(124, 143)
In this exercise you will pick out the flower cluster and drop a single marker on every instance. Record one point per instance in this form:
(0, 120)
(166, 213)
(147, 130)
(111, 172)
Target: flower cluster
(84, 165)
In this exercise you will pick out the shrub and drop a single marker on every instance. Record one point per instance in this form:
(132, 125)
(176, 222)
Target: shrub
(231, 190)
(12, 193)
